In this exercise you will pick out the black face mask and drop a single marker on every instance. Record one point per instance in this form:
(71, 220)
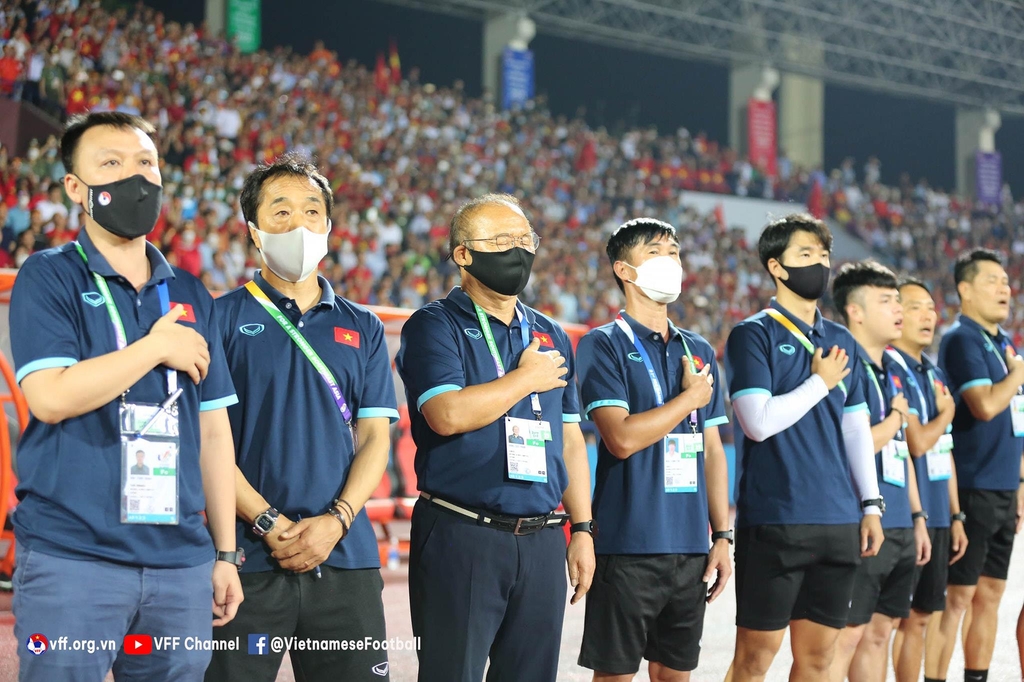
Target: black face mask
(809, 282)
(504, 272)
(128, 208)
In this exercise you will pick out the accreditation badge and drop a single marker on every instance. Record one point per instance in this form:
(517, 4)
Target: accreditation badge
(526, 453)
(149, 463)
(894, 463)
(681, 451)
(1017, 415)
(940, 459)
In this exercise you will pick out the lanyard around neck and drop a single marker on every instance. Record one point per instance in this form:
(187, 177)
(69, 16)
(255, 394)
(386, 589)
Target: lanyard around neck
(659, 395)
(922, 401)
(799, 335)
(299, 340)
(499, 366)
(120, 337)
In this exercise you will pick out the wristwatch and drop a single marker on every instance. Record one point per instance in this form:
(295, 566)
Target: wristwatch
(584, 527)
(722, 535)
(959, 516)
(236, 558)
(919, 515)
(876, 502)
(265, 522)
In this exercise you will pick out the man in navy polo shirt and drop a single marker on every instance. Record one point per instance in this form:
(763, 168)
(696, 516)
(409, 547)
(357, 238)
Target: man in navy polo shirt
(806, 463)
(486, 576)
(117, 352)
(867, 296)
(661, 472)
(931, 446)
(300, 356)
(985, 373)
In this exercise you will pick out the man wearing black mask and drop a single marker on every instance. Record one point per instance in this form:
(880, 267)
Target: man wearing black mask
(485, 567)
(117, 353)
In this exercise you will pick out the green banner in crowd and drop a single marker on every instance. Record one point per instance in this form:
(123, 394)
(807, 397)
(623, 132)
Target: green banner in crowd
(244, 24)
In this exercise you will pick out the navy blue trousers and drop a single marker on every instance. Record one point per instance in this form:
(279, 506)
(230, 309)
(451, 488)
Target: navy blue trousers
(479, 593)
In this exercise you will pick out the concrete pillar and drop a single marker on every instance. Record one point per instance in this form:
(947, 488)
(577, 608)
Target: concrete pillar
(746, 81)
(975, 132)
(216, 16)
(506, 30)
(802, 106)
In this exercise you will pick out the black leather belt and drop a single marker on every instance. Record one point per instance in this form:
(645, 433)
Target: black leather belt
(509, 524)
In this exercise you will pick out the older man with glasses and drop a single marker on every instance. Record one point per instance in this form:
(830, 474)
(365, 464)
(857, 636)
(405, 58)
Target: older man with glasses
(485, 570)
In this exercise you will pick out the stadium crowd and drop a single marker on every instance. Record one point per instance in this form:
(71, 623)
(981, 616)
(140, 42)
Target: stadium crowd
(402, 154)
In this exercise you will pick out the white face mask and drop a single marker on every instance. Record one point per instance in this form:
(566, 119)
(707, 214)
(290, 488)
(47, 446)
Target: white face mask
(294, 255)
(660, 278)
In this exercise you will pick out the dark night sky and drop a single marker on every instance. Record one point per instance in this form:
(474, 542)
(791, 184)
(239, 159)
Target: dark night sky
(618, 86)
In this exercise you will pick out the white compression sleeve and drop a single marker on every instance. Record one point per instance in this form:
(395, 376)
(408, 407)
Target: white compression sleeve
(859, 453)
(762, 416)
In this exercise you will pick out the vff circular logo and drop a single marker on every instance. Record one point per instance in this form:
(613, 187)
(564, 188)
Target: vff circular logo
(104, 198)
(37, 644)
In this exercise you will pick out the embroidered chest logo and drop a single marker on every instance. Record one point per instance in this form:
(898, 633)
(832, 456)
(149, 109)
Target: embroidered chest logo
(635, 357)
(94, 298)
(251, 329)
(474, 333)
(787, 349)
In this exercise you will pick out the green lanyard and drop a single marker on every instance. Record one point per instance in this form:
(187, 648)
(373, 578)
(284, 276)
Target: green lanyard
(499, 366)
(795, 331)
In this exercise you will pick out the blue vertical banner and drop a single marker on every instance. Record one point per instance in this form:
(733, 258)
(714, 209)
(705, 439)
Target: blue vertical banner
(989, 177)
(516, 77)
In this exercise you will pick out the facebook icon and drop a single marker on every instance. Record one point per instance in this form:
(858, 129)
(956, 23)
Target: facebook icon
(258, 645)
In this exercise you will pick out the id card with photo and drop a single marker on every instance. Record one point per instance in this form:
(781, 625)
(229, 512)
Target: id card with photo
(681, 451)
(526, 453)
(1017, 415)
(894, 463)
(940, 459)
(149, 464)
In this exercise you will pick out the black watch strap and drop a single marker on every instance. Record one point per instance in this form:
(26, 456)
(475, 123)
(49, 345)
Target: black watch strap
(876, 502)
(723, 535)
(959, 516)
(583, 527)
(236, 558)
(919, 515)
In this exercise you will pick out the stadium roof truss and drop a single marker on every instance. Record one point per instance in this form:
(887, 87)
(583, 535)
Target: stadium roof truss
(962, 52)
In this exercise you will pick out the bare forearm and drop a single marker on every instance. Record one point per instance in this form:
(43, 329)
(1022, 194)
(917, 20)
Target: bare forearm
(716, 476)
(995, 400)
(922, 437)
(912, 492)
(249, 502)
(885, 430)
(634, 432)
(368, 466)
(217, 462)
(954, 492)
(576, 498)
(474, 407)
(56, 395)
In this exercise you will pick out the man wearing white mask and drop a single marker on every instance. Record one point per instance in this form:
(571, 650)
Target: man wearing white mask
(312, 371)
(652, 390)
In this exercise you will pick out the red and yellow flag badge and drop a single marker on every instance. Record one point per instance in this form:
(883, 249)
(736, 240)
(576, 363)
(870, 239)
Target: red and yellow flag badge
(545, 339)
(896, 382)
(346, 336)
(698, 364)
(189, 315)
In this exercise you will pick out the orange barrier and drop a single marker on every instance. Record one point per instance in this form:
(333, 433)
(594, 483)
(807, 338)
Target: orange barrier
(14, 397)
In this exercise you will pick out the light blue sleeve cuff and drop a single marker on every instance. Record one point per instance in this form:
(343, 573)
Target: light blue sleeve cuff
(228, 401)
(605, 403)
(570, 418)
(915, 412)
(750, 391)
(859, 407)
(436, 391)
(371, 412)
(976, 382)
(43, 363)
(716, 421)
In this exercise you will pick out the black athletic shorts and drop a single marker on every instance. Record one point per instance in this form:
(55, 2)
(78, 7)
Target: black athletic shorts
(885, 582)
(930, 595)
(795, 572)
(991, 525)
(644, 606)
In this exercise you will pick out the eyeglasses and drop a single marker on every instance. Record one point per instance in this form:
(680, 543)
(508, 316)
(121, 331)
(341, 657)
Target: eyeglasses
(504, 242)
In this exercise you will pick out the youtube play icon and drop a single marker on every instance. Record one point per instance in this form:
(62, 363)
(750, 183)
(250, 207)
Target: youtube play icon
(138, 645)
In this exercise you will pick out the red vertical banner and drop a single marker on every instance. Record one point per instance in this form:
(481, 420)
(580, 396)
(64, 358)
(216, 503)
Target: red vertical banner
(762, 136)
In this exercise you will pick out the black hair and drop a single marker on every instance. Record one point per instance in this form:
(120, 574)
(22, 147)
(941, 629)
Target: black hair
(966, 268)
(914, 282)
(292, 163)
(853, 276)
(631, 234)
(459, 227)
(777, 234)
(77, 125)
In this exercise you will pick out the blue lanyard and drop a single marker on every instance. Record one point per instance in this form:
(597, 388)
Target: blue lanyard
(659, 395)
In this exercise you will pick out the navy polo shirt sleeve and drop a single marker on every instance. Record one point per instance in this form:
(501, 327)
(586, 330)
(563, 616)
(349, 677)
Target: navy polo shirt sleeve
(217, 390)
(378, 396)
(601, 376)
(430, 360)
(43, 319)
(716, 408)
(856, 382)
(747, 354)
(969, 369)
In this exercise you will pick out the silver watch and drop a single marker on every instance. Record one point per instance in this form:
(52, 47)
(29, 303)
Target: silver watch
(265, 522)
